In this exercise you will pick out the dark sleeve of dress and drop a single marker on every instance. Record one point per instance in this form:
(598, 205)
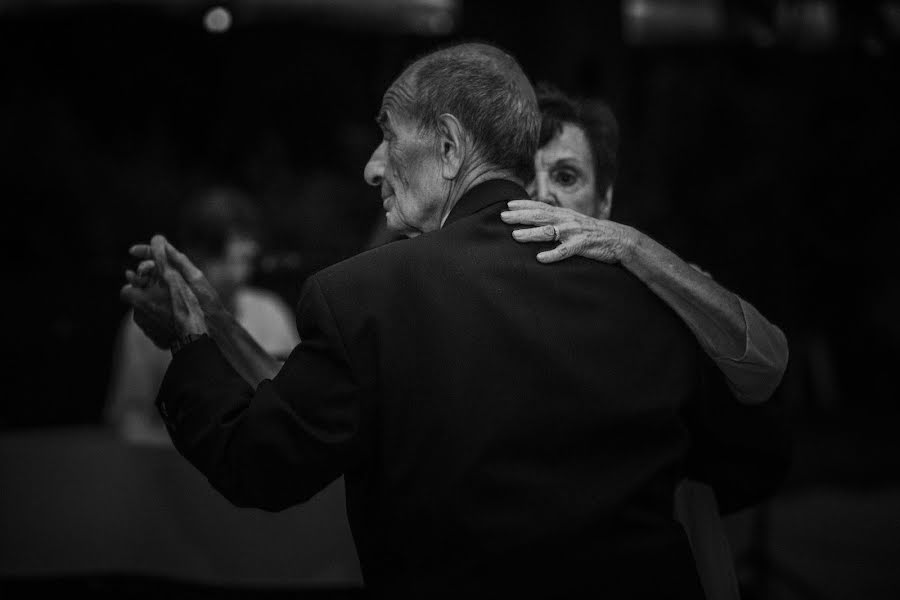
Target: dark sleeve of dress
(742, 451)
(282, 443)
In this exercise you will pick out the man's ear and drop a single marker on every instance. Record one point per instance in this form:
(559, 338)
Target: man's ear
(452, 145)
(604, 206)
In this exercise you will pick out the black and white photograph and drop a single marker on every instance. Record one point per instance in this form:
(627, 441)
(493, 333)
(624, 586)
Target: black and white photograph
(426, 299)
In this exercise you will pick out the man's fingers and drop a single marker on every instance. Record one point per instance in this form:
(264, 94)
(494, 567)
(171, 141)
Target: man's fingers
(531, 216)
(130, 294)
(144, 276)
(134, 295)
(175, 281)
(181, 262)
(158, 252)
(136, 279)
(141, 251)
(172, 277)
(146, 268)
(543, 233)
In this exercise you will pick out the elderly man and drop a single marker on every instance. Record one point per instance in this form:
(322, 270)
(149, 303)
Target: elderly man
(494, 435)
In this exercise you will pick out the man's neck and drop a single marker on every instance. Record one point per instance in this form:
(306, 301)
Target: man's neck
(467, 180)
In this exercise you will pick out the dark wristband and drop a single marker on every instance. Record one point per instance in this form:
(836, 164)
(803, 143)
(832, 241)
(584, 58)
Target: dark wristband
(180, 342)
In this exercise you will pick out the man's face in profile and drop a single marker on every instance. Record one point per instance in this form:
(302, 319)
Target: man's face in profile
(405, 167)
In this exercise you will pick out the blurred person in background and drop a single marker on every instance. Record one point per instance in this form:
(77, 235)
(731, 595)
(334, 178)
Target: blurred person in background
(219, 228)
(740, 452)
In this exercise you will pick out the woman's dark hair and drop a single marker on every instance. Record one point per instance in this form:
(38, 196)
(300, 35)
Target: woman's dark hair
(593, 116)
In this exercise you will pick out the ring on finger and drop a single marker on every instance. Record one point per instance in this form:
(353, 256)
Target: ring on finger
(555, 233)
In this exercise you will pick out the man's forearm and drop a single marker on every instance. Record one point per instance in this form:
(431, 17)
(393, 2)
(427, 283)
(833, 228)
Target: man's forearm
(243, 352)
(753, 358)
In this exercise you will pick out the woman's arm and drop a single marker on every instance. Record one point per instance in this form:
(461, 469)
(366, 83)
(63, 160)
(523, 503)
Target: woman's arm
(751, 352)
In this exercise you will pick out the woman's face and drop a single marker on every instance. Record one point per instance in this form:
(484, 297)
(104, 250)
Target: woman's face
(564, 174)
(234, 268)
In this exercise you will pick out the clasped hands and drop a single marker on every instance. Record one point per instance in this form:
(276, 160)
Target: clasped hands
(170, 296)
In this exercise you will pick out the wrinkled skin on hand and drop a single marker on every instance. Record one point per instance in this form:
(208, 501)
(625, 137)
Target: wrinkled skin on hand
(168, 293)
(598, 239)
(152, 306)
(161, 251)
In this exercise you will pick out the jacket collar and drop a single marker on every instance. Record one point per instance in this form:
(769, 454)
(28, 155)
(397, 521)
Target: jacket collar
(483, 195)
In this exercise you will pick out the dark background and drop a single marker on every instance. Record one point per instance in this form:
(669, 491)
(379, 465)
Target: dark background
(772, 166)
(763, 147)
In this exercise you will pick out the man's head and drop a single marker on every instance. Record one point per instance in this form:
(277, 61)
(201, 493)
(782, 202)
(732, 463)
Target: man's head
(460, 110)
(219, 231)
(575, 166)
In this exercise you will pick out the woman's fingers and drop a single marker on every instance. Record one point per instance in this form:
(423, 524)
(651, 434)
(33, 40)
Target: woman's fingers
(544, 233)
(555, 255)
(526, 204)
(531, 216)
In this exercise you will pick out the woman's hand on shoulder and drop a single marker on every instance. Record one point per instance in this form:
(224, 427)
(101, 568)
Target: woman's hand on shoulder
(577, 234)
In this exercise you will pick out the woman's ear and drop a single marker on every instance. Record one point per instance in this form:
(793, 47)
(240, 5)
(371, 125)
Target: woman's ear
(451, 140)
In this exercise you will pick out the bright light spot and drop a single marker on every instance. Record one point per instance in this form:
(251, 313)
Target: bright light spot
(434, 23)
(217, 20)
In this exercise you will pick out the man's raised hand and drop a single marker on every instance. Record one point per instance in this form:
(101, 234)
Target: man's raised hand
(160, 250)
(165, 305)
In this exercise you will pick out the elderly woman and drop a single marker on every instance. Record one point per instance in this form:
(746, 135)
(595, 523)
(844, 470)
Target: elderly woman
(572, 199)
(738, 450)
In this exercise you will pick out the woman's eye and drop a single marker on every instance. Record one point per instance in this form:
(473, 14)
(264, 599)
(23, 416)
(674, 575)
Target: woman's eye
(565, 178)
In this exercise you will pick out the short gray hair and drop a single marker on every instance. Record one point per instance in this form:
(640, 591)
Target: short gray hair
(486, 89)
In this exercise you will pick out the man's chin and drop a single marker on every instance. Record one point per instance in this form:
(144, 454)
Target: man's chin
(397, 226)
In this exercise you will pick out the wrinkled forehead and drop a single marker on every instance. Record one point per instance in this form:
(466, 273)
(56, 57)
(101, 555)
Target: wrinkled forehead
(398, 99)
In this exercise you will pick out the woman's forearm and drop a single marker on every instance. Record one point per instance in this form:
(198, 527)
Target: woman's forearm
(750, 351)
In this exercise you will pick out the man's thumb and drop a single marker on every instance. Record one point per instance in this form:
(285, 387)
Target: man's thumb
(181, 262)
(158, 250)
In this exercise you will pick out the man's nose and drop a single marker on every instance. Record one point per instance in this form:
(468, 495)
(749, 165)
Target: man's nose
(374, 171)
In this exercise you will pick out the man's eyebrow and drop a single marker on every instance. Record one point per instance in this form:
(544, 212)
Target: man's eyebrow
(382, 120)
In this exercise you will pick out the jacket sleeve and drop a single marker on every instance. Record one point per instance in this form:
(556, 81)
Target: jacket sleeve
(755, 375)
(282, 443)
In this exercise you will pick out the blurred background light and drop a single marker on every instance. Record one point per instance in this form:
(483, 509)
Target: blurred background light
(890, 12)
(807, 23)
(664, 21)
(419, 17)
(217, 20)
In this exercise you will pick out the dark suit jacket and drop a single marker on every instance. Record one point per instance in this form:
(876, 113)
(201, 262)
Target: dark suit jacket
(742, 451)
(500, 423)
